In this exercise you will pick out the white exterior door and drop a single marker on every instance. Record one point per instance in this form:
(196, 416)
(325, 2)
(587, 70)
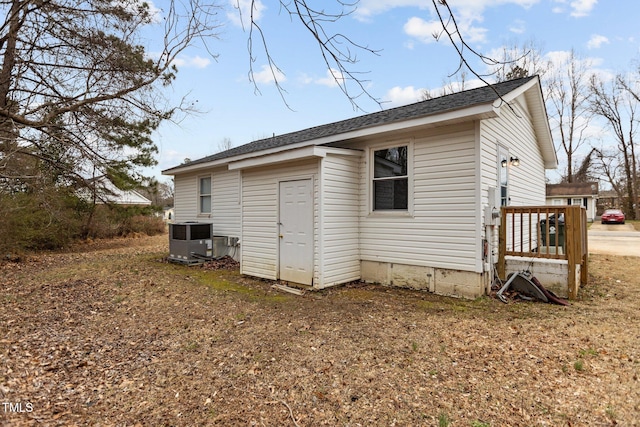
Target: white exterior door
(296, 231)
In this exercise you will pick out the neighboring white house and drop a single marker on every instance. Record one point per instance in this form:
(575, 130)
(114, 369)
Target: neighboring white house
(403, 196)
(168, 214)
(579, 193)
(107, 192)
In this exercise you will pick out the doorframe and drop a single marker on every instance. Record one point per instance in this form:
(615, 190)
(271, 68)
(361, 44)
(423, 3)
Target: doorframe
(301, 177)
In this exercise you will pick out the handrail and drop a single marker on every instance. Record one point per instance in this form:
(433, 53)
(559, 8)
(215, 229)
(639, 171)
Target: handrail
(547, 232)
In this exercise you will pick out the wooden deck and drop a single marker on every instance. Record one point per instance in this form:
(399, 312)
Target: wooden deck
(546, 232)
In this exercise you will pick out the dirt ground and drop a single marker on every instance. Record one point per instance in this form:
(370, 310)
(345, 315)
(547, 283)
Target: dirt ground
(108, 334)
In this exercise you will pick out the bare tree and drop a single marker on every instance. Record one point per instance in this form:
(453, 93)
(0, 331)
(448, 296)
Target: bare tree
(568, 94)
(78, 91)
(609, 167)
(516, 60)
(225, 144)
(617, 104)
(585, 170)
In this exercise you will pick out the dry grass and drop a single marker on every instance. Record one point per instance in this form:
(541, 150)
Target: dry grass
(109, 335)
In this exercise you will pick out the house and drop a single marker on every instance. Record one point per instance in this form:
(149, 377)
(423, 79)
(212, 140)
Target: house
(577, 193)
(107, 192)
(168, 214)
(407, 196)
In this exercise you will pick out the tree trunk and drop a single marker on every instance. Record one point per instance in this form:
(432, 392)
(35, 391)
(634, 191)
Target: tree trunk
(7, 129)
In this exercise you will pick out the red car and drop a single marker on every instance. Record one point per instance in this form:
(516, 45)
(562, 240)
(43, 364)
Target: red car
(612, 216)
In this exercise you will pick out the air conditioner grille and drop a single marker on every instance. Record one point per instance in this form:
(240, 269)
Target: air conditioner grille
(179, 231)
(200, 231)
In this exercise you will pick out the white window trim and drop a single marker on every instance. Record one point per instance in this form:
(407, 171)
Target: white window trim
(410, 187)
(503, 153)
(201, 195)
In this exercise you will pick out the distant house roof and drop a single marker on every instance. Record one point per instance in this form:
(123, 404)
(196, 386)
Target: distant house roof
(483, 96)
(572, 189)
(107, 192)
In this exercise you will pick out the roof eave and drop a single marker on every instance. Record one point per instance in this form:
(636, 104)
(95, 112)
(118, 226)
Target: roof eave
(476, 112)
(533, 93)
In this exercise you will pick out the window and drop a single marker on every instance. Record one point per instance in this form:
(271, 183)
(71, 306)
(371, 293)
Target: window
(558, 202)
(205, 195)
(391, 179)
(576, 202)
(503, 173)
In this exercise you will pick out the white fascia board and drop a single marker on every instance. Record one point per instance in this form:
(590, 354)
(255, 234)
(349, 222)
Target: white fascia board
(483, 111)
(283, 156)
(193, 168)
(533, 93)
(341, 151)
(291, 154)
(515, 93)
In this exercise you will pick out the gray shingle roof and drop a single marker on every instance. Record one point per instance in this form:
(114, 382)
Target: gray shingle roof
(572, 189)
(455, 101)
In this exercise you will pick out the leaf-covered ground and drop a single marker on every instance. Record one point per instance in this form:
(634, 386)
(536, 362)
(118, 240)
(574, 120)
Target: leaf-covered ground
(108, 334)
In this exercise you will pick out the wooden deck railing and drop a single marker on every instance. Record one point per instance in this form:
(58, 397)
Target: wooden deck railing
(552, 232)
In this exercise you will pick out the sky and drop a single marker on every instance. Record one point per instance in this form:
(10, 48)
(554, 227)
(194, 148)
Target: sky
(407, 60)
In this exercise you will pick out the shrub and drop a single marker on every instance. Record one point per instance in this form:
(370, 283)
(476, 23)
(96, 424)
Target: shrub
(32, 221)
(52, 218)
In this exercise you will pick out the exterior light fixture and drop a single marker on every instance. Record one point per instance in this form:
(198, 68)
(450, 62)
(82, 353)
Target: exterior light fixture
(513, 161)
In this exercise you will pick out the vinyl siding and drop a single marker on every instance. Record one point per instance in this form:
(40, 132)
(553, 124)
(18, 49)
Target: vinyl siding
(225, 201)
(514, 131)
(442, 230)
(259, 241)
(185, 200)
(340, 187)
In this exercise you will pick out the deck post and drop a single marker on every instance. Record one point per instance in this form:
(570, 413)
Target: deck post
(502, 244)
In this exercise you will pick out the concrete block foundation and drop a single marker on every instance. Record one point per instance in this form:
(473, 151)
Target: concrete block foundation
(454, 283)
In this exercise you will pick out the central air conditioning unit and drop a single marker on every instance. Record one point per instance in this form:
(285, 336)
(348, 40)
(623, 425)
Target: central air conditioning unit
(190, 242)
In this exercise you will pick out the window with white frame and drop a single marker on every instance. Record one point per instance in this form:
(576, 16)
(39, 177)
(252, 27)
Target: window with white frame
(558, 202)
(390, 187)
(576, 201)
(204, 195)
(503, 176)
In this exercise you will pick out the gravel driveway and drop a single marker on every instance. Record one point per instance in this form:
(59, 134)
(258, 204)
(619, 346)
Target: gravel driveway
(614, 239)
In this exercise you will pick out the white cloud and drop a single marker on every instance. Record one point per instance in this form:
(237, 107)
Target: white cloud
(366, 9)
(596, 41)
(182, 61)
(582, 8)
(369, 8)
(402, 95)
(268, 75)
(427, 31)
(332, 78)
(579, 8)
(422, 30)
(518, 26)
(560, 59)
(241, 15)
(191, 62)
(468, 13)
(397, 95)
